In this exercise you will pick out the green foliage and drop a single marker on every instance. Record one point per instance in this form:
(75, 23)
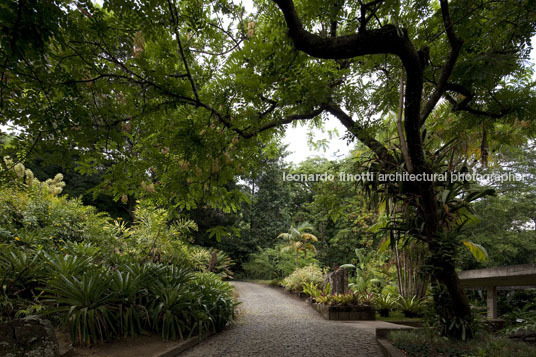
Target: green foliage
(521, 319)
(425, 342)
(217, 303)
(98, 305)
(505, 226)
(384, 303)
(350, 299)
(298, 239)
(212, 260)
(34, 215)
(273, 263)
(97, 279)
(444, 322)
(369, 275)
(156, 236)
(85, 303)
(169, 311)
(313, 290)
(129, 293)
(20, 272)
(411, 306)
(196, 303)
(60, 264)
(337, 210)
(302, 277)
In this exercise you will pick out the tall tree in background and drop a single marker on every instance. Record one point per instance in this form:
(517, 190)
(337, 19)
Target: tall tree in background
(174, 98)
(369, 36)
(299, 239)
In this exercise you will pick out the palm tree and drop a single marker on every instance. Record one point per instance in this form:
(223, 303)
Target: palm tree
(299, 240)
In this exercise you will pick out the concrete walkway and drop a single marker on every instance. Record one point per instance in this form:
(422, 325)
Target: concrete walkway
(271, 323)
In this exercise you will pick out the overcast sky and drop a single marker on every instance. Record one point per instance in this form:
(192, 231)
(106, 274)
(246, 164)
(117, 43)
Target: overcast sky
(300, 149)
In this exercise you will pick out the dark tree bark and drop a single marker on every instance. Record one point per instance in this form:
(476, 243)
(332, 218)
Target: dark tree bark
(394, 40)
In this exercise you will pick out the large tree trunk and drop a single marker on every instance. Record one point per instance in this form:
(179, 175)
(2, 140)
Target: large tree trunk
(390, 39)
(450, 300)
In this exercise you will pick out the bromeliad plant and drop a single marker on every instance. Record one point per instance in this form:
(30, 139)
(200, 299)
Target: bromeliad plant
(129, 295)
(384, 303)
(324, 296)
(94, 276)
(350, 299)
(86, 303)
(314, 292)
(411, 307)
(175, 302)
(216, 307)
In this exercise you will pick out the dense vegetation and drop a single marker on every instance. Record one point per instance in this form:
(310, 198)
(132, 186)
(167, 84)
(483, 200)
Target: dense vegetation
(173, 111)
(100, 278)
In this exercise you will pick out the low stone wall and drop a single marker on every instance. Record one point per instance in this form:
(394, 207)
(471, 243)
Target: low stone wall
(345, 313)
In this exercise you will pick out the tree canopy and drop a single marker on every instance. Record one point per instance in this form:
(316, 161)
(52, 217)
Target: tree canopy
(178, 99)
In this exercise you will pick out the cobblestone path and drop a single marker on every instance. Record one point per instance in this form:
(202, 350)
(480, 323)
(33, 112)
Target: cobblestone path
(271, 323)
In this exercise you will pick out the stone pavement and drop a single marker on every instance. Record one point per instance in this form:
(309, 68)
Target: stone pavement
(271, 323)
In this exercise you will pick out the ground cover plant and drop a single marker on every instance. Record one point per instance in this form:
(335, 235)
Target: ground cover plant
(426, 343)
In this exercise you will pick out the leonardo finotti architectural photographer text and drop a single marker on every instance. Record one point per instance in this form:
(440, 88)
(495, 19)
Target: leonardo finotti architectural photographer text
(403, 177)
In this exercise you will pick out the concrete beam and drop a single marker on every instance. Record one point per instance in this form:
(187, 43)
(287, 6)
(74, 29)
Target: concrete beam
(513, 275)
(503, 288)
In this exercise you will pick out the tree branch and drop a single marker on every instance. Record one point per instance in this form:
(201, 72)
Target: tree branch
(399, 127)
(361, 134)
(464, 104)
(389, 39)
(175, 24)
(286, 120)
(386, 40)
(455, 47)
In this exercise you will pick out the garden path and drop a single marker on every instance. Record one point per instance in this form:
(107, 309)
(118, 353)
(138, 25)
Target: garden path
(271, 323)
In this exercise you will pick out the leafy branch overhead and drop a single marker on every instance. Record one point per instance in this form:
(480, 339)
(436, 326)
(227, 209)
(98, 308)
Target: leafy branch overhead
(178, 100)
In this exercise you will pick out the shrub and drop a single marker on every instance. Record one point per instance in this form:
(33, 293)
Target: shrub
(350, 299)
(20, 271)
(272, 263)
(521, 320)
(128, 296)
(57, 264)
(155, 236)
(411, 307)
(85, 303)
(384, 303)
(425, 342)
(65, 260)
(303, 276)
(212, 260)
(314, 292)
(169, 310)
(216, 302)
(324, 296)
(197, 305)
